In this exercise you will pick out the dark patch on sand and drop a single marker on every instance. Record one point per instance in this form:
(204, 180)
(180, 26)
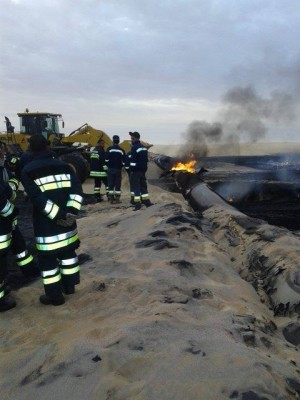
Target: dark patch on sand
(185, 267)
(83, 258)
(35, 374)
(202, 293)
(181, 299)
(113, 224)
(194, 348)
(97, 358)
(99, 286)
(293, 386)
(247, 326)
(292, 333)
(158, 234)
(250, 395)
(186, 218)
(157, 244)
(266, 342)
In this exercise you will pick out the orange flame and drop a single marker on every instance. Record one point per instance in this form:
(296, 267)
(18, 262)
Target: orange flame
(189, 166)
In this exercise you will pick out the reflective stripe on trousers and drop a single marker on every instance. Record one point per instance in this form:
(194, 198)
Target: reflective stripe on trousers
(23, 258)
(69, 266)
(5, 241)
(50, 243)
(2, 291)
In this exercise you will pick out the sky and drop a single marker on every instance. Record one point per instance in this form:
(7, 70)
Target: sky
(159, 67)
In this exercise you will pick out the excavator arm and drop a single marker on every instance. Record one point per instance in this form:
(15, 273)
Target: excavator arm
(89, 135)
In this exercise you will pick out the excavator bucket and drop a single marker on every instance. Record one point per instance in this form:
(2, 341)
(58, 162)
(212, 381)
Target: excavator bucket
(86, 134)
(89, 135)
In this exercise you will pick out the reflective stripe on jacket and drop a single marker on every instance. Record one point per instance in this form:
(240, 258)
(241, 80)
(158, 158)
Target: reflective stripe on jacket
(97, 163)
(115, 157)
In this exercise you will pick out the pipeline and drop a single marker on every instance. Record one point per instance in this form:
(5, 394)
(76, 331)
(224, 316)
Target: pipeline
(268, 262)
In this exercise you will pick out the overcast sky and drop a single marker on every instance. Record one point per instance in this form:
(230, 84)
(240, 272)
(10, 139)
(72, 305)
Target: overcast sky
(154, 66)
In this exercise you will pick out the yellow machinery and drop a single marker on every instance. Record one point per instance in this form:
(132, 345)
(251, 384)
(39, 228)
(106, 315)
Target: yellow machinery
(88, 135)
(73, 148)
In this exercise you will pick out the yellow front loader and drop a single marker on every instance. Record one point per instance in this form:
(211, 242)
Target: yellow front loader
(73, 148)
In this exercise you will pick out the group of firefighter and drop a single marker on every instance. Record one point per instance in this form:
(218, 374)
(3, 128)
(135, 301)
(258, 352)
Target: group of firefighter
(106, 168)
(56, 196)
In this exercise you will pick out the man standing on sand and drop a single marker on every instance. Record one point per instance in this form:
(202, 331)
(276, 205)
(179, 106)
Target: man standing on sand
(115, 161)
(8, 213)
(138, 168)
(98, 169)
(56, 196)
(18, 247)
(127, 169)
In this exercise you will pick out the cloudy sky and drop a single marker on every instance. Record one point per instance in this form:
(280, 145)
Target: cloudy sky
(155, 66)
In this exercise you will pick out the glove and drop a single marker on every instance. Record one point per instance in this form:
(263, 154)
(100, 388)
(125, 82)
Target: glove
(67, 221)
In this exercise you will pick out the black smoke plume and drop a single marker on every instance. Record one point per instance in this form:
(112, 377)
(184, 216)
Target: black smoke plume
(244, 117)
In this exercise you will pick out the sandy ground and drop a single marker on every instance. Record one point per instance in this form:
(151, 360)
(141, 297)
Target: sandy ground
(165, 310)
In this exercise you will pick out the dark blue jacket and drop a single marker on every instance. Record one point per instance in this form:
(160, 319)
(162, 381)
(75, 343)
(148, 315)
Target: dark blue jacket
(139, 157)
(115, 157)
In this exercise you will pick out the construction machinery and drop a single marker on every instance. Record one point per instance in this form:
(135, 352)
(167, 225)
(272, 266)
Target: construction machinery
(73, 148)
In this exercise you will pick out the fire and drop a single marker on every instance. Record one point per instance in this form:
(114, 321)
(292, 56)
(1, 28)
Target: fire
(189, 166)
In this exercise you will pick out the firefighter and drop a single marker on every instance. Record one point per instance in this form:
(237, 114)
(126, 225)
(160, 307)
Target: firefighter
(138, 168)
(24, 258)
(127, 169)
(56, 195)
(3, 170)
(98, 169)
(115, 161)
(7, 214)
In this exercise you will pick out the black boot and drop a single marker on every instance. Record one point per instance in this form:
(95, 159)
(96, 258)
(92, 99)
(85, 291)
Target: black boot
(137, 206)
(147, 203)
(68, 289)
(6, 303)
(54, 301)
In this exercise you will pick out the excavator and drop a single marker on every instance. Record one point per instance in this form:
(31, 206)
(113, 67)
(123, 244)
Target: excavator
(73, 148)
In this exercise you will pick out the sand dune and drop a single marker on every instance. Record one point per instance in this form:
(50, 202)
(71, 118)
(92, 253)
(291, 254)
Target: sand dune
(162, 312)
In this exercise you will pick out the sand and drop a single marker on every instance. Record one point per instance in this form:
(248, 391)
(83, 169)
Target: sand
(166, 309)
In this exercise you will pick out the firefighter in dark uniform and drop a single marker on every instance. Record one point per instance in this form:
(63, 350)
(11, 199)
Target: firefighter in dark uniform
(56, 195)
(138, 168)
(8, 213)
(115, 161)
(98, 169)
(24, 258)
(127, 169)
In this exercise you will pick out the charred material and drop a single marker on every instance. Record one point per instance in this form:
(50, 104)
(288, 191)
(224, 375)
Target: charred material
(278, 278)
(269, 189)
